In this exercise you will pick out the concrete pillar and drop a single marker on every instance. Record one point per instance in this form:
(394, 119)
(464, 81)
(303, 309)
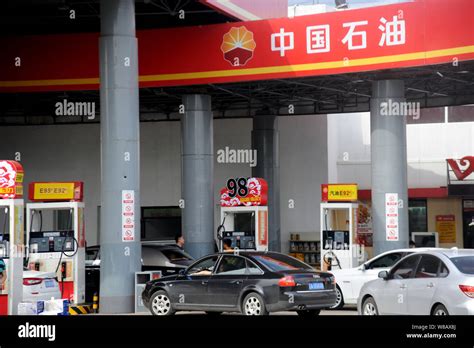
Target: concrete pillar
(265, 141)
(120, 156)
(198, 175)
(389, 161)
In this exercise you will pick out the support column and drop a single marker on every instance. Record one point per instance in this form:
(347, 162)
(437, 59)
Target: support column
(265, 141)
(120, 156)
(198, 175)
(389, 161)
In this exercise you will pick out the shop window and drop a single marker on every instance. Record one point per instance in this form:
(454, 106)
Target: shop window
(160, 223)
(417, 215)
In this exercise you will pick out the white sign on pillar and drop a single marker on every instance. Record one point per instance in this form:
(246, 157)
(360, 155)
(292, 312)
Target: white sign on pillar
(391, 216)
(128, 215)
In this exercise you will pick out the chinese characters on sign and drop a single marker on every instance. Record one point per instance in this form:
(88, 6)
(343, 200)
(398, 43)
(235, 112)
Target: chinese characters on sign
(318, 39)
(128, 215)
(446, 227)
(339, 192)
(391, 216)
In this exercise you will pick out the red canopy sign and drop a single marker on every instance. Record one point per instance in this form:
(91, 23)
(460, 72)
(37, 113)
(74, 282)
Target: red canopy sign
(423, 32)
(11, 179)
(245, 192)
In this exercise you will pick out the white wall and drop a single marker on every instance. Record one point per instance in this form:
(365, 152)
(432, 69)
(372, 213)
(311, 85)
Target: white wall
(72, 152)
(428, 146)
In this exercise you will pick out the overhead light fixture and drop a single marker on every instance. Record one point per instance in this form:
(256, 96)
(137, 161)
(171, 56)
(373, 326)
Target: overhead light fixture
(471, 224)
(463, 72)
(439, 74)
(341, 4)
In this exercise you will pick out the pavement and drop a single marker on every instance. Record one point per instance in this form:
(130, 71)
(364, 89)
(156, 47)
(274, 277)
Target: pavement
(348, 311)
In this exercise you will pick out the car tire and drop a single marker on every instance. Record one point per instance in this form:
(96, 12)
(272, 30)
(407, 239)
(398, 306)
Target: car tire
(440, 310)
(339, 299)
(309, 313)
(254, 304)
(369, 307)
(160, 304)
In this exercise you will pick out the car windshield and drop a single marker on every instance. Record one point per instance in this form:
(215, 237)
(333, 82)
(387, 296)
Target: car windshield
(278, 263)
(174, 254)
(464, 263)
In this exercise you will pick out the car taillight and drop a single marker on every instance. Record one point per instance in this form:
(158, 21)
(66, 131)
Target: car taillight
(287, 281)
(32, 281)
(468, 290)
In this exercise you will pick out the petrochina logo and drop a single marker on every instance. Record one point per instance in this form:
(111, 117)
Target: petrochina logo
(238, 46)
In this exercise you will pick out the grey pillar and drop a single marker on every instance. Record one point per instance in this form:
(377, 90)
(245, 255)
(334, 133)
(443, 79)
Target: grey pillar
(120, 156)
(389, 161)
(198, 175)
(265, 141)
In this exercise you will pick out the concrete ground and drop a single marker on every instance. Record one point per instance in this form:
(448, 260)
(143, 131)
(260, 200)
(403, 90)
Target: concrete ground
(348, 311)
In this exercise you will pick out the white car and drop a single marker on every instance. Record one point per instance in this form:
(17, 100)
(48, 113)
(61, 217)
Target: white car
(349, 281)
(439, 282)
(40, 286)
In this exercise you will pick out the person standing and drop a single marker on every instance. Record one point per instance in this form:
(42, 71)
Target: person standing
(179, 239)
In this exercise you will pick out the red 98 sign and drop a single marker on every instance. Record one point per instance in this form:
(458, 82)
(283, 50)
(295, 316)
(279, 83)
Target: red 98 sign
(244, 192)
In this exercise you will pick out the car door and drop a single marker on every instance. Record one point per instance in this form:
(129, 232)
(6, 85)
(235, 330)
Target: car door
(190, 289)
(370, 272)
(227, 281)
(422, 287)
(392, 294)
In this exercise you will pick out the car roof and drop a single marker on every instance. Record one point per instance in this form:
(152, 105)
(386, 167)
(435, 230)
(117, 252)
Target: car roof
(453, 252)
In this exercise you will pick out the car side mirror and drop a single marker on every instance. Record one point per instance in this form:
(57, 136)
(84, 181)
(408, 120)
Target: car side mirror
(364, 267)
(384, 275)
(182, 271)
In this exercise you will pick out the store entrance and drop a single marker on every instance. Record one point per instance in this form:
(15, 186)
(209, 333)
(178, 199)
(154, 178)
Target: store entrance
(468, 223)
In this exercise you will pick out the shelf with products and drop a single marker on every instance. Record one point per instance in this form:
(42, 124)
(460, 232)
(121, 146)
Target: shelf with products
(306, 246)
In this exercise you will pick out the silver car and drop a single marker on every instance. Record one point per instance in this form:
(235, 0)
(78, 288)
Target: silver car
(438, 282)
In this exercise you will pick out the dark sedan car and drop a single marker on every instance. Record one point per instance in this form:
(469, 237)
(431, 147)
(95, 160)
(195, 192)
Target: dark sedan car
(253, 283)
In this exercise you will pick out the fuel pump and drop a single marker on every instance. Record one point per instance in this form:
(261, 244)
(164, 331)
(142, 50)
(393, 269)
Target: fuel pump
(338, 221)
(11, 235)
(55, 235)
(244, 214)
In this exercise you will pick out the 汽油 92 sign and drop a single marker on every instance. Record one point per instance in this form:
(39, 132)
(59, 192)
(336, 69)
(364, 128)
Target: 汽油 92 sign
(11, 179)
(244, 192)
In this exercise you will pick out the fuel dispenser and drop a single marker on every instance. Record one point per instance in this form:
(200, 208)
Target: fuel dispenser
(338, 221)
(55, 234)
(11, 235)
(244, 214)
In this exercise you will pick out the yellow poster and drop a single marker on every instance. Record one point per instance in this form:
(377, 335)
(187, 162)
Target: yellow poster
(446, 228)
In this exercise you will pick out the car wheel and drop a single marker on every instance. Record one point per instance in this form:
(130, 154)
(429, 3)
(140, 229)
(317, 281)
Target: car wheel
(254, 305)
(339, 299)
(369, 307)
(160, 304)
(440, 310)
(309, 313)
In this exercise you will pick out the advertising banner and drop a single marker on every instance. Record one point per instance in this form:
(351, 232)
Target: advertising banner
(407, 34)
(446, 228)
(11, 179)
(244, 192)
(339, 192)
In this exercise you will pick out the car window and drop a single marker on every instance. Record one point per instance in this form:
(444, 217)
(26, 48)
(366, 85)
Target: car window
(252, 268)
(204, 267)
(152, 256)
(174, 254)
(279, 262)
(464, 263)
(405, 268)
(385, 261)
(428, 267)
(443, 270)
(231, 265)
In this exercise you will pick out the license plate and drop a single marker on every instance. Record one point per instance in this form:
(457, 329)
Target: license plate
(316, 286)
(49, 283)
